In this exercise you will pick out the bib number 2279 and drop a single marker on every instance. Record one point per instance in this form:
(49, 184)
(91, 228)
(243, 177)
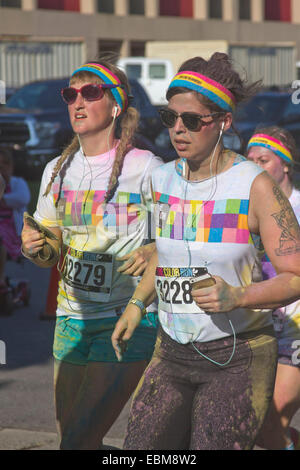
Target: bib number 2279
(85, 273)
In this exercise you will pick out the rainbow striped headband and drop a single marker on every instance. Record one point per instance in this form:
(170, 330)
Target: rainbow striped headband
(109, 78)
(207, 87)
(263, 140)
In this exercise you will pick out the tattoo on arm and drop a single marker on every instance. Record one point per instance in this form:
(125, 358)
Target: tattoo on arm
(289, 241)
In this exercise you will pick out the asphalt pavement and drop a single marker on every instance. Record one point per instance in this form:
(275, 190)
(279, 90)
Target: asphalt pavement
(27, 419)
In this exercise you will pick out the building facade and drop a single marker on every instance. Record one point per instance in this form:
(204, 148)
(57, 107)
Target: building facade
(86, 29)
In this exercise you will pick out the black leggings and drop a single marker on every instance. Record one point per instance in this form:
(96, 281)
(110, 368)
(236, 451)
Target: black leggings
(185, 402)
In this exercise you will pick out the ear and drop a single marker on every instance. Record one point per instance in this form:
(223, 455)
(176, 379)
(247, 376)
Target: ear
(116, 111)
(226, 122)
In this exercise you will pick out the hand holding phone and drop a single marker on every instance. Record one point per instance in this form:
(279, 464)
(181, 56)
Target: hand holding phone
(34, 224)
(200, 282)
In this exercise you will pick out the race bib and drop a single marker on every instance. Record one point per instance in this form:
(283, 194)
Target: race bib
(174, 289)
(88, 275)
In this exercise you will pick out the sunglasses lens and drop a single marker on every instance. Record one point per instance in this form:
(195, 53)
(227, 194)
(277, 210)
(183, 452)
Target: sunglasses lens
(191, 122)
(167, 117)
(69, 95)
(88, 92)
(91, 92)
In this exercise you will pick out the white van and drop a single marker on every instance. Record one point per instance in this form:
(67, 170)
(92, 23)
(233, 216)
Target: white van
(153, 74)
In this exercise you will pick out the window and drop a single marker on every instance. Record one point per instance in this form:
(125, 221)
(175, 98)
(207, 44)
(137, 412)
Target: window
(110, 49)
(105, 6)
(51, 4)
(215, 9)
(72, 5)
(278, 10)
(10, 3)
(244, 9)
(134, 71)
(187, 8)
(67, 5)
(136, 7)
(137, 48)
(183, 8)
(157, 71)
(169, 8)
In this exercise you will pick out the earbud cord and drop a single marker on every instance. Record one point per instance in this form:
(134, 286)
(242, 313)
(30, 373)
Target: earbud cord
(86, 197)
(190, 263)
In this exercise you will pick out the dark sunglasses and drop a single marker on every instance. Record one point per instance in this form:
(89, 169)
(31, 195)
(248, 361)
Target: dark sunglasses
(89, 92)
(192, 121)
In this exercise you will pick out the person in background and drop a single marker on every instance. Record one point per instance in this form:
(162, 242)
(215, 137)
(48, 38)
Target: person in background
(95, 198)
(210, 381)
(275, 151)
(13, 204)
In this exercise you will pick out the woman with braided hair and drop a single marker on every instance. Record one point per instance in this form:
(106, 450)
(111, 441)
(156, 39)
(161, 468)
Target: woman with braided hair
(95, 199)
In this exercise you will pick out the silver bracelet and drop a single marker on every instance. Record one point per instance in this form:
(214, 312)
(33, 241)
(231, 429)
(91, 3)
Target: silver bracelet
(138, 303)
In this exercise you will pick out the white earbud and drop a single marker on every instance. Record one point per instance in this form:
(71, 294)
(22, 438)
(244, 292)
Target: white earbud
(115, 112)
(222, 129)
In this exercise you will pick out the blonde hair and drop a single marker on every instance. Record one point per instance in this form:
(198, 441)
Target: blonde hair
(129, 120)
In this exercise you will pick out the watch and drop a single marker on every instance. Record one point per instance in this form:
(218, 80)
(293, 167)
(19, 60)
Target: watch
(139, 304)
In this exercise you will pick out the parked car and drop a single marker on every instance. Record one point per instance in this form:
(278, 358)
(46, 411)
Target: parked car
(269, 108)
(35, 124)
(151, 135)
(5, 93)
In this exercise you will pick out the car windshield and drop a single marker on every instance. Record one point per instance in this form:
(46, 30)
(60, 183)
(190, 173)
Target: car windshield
(37, 96)
(262, 108)
(140, 98)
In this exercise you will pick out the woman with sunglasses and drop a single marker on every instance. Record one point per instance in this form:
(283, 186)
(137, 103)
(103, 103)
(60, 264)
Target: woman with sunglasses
(274, 149)
(210, 380)
(95, 200)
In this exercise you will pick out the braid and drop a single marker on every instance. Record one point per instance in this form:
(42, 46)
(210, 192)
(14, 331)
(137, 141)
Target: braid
(69, 150)
(129, 125)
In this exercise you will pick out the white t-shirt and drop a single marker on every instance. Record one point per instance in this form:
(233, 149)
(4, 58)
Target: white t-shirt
(95, 234)
(203, 225)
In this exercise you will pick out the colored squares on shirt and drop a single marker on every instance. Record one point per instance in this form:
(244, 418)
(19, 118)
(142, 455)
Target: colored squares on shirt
(79, 208)
(222, 221)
